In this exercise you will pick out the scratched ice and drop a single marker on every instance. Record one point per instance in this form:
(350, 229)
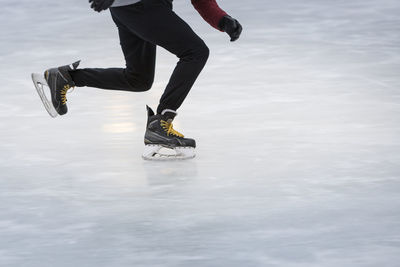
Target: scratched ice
(298, 131)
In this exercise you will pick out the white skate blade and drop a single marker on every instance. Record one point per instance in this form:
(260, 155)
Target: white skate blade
(158, 152)
(40, 82)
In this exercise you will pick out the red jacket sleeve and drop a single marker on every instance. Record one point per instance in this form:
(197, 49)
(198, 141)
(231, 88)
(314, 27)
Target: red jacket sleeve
(210, 11)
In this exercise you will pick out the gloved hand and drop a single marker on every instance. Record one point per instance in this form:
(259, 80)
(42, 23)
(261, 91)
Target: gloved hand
(231, 26)
(100, 5)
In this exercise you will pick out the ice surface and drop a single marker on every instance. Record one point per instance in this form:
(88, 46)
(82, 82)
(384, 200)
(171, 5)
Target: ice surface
(298, 129)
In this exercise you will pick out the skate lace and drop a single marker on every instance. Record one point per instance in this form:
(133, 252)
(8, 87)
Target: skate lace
(169, 128)
(63, 93)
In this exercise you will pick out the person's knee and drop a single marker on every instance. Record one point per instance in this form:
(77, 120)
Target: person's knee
(144, 85)
(196, 53)
(139, 84)
(202, 52)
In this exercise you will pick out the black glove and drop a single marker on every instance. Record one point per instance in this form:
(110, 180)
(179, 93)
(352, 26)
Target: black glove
(231, 26)
(100, 5)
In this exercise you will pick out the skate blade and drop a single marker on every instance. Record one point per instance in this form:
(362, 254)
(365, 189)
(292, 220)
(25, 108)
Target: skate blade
(40, 82)
(160, 153)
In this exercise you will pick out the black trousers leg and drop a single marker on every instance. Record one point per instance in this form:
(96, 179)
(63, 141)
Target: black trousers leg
(154, 22)
(140, 57)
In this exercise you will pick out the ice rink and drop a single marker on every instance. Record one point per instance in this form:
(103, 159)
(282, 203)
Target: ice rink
(298, 132)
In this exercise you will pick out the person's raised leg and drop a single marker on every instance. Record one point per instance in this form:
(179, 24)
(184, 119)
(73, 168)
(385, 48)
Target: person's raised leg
(140, 56)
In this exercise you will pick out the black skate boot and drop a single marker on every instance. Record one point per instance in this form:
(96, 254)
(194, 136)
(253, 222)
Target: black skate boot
(60, 81)
(161, 134)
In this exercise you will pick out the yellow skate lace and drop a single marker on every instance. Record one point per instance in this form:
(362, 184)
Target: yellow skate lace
(63, 93)
(169, 128)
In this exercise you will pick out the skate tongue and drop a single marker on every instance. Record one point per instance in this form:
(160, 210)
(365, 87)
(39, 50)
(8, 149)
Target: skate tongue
(75, 65)
(150, 112)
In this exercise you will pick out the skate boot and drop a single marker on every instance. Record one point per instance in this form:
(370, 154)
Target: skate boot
(162, 142)
(60, 81)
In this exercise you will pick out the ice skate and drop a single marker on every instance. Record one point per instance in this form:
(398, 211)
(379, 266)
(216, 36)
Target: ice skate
(162, 142)
(54, 85)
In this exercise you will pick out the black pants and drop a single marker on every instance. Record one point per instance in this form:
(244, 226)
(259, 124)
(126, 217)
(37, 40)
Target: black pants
(143, 26)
